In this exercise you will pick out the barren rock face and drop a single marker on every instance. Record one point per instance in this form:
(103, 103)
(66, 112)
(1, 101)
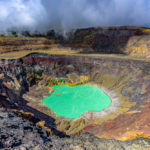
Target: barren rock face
(19, 134)
(26, 81)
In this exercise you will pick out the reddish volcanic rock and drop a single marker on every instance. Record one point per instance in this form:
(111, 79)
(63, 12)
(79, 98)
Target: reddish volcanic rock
(136, 121)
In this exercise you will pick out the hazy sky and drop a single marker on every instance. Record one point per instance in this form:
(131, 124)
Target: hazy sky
(68, 14)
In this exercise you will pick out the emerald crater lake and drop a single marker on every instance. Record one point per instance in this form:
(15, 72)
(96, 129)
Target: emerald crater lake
(73, 102)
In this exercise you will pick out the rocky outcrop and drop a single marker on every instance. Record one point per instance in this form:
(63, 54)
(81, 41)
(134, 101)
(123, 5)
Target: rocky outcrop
(114, 40)
(20, 134)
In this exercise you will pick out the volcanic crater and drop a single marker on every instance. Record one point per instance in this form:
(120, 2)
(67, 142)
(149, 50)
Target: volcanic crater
(25, 81)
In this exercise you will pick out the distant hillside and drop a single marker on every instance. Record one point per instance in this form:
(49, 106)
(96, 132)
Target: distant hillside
(133, 41)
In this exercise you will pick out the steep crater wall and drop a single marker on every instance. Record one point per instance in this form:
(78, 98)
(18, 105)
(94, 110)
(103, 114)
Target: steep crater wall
(26, 81)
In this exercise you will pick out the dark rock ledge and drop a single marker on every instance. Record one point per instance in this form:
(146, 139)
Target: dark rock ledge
(19, 134)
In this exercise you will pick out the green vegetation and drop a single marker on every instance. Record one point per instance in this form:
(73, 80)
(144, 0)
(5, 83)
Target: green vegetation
(2, 35)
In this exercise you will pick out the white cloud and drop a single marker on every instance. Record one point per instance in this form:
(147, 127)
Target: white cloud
(67, 14)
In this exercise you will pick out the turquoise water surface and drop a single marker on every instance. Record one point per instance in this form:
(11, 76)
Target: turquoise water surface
(72, 102)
